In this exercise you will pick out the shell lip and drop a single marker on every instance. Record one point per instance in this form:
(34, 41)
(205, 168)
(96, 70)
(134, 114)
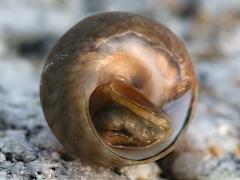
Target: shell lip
(161, 153)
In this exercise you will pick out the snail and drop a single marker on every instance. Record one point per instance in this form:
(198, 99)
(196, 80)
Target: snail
(118, 89)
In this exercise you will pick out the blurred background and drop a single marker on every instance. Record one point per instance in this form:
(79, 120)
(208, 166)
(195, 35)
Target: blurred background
(211, 32)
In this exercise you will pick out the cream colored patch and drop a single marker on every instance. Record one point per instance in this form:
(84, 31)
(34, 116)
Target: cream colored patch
(132, 56)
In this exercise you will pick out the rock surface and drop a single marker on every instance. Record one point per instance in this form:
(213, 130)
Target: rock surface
(209, 150)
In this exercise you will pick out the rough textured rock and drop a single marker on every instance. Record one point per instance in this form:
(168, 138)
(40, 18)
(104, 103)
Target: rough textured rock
(209, 150)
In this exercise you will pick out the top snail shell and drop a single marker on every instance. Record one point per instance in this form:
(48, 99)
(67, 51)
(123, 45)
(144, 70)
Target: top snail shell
(118, 89)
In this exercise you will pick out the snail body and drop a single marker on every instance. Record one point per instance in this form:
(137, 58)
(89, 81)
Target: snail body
(118, 89)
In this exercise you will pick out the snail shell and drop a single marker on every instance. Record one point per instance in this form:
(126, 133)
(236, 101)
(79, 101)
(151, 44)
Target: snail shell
(118, 89)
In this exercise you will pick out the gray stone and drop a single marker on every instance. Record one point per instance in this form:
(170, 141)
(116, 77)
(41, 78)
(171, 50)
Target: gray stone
(210, 148)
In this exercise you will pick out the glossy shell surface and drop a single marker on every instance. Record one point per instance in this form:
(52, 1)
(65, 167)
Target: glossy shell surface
(105, 77)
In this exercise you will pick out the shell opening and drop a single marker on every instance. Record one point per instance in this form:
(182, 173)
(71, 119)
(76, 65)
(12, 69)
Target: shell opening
(125, 118)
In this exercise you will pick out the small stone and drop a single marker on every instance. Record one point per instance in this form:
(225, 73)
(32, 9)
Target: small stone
(143, 172)
(2, 157)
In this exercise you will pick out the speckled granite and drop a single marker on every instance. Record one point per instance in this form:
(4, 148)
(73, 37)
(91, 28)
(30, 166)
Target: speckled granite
(209, 150)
